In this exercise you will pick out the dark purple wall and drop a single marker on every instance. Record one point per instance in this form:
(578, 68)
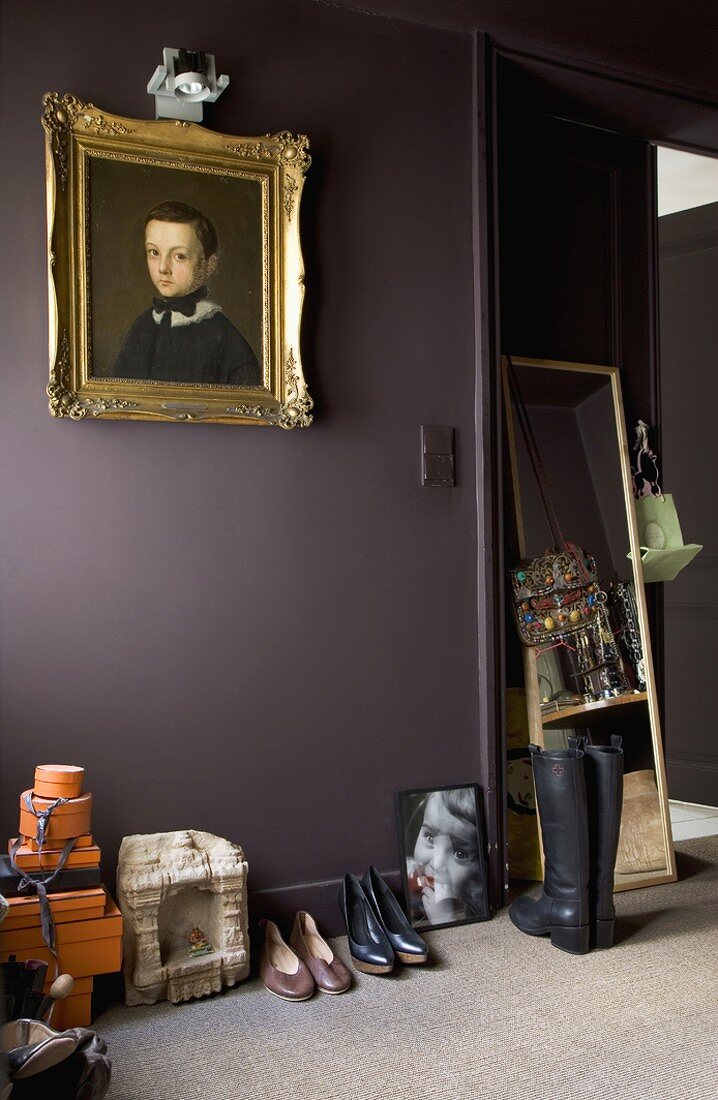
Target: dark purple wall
(258, 633)
(235, 629)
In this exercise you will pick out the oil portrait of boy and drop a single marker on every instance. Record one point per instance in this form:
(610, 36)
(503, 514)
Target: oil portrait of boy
(179, 279)
(184, 336)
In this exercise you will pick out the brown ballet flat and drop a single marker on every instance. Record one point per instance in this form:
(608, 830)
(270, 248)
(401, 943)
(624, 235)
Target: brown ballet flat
(281, 970)
(329, 973)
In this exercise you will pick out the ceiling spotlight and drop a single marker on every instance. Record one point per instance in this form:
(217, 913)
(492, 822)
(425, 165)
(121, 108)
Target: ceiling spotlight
(186, 80)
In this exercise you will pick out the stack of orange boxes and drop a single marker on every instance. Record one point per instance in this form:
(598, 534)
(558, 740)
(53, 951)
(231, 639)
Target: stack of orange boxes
(88, 924)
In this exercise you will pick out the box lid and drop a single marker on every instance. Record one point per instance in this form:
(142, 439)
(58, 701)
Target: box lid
(28, 860)
(104, 927)
(24, 910)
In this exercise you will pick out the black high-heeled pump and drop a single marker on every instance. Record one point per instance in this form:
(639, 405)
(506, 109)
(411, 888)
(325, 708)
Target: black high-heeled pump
(407, 944)
(369, 946)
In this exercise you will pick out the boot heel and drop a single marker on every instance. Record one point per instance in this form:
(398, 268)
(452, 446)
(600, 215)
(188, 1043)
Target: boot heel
(574, 940)
(604, 933)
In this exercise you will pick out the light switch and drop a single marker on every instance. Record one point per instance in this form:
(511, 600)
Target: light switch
(437, 456)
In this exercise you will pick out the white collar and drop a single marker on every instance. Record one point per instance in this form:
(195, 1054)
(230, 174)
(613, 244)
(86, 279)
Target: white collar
(202, 312)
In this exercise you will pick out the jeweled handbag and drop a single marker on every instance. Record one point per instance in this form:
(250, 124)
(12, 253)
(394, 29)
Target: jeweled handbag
(557, 593)
(554, 594)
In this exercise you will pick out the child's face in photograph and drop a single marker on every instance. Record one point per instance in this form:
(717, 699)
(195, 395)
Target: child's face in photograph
(176, 259)
(446, 847)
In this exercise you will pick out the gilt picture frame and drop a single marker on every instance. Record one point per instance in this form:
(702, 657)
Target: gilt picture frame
(175, 270)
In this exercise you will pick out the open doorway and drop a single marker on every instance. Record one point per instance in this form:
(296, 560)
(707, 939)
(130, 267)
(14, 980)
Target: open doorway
(688, 329)
(570, 208)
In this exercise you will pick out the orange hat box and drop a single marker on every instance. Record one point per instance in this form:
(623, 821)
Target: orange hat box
(70, 819)
(58, 780)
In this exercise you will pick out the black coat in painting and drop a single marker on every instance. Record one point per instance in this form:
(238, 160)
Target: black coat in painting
(187, 340)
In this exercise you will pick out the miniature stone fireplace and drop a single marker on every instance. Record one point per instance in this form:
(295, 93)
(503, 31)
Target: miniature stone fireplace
(169, 884)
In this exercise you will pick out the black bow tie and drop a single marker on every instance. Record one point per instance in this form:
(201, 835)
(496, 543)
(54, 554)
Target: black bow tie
(186, 305)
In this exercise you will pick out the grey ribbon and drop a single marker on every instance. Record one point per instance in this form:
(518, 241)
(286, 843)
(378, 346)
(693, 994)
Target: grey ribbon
(43, 816)
(39, 886)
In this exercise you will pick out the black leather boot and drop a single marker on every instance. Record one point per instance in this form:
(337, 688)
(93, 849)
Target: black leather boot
(604, 787)
(562, 909)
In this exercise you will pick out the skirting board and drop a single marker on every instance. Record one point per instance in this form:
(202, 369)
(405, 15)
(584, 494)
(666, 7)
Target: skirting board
(321, 899)
(692, 780)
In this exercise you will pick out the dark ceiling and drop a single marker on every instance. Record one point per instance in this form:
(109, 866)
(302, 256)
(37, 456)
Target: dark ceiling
(668, 41)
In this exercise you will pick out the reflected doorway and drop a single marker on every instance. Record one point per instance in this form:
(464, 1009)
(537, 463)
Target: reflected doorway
(688, 329)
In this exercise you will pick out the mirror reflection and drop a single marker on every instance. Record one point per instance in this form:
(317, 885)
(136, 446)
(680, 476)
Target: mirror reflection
(581, 614)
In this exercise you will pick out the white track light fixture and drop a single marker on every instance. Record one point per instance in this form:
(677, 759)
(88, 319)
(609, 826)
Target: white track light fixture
(185, 81)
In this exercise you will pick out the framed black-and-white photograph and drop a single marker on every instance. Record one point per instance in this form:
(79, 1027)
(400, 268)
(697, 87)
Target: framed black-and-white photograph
(443, 856)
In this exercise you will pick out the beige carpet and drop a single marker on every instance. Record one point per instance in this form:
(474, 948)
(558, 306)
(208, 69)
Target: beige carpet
(498, 1016)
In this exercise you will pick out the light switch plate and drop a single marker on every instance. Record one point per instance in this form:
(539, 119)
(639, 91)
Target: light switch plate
(437, 456)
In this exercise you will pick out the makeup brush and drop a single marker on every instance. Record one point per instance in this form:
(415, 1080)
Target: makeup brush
(62, 987)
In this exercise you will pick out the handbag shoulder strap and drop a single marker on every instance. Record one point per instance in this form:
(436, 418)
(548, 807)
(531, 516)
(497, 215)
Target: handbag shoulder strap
(535, 457)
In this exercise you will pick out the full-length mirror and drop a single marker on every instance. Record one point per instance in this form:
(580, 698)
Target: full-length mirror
(587, 658)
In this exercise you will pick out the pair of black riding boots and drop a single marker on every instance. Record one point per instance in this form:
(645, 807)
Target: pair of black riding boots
(579, 795)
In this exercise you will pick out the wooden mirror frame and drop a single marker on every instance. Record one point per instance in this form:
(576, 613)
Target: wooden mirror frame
(537, 722)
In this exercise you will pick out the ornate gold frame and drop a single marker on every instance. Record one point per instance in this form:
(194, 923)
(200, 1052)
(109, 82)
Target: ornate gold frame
(75, 133)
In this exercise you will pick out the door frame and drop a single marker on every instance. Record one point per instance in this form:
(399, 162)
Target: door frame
(650, 111)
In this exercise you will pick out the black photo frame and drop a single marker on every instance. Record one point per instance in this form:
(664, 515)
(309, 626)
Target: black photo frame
(442, 846)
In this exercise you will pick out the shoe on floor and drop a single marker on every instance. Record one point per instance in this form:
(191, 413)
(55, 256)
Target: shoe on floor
(329, 973)
(407, 944)
(369, 947)
(281, 970)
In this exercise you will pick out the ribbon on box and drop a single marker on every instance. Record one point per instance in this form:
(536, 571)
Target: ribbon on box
(43, 816)
(39, 886)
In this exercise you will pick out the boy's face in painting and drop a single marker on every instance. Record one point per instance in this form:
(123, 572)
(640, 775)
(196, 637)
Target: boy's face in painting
(176, 259)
